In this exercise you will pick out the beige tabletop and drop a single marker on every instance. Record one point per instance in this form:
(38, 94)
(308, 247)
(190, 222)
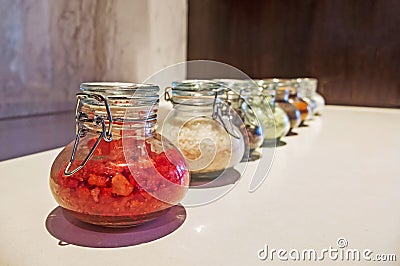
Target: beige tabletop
(336, 185)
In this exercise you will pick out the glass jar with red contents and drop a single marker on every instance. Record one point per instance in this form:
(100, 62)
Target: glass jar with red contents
(118, 172)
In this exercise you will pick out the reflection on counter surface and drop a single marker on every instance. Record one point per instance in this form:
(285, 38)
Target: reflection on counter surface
(71, 231)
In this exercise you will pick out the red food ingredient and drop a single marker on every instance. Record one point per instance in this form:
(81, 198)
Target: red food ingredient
(95, 194)
(107, 186)
(121, 186)
(96, 180)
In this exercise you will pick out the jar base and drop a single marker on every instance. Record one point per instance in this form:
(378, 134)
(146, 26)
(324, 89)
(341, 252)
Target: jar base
(253, 155)
(291, 133)
(271, 142)
(114, 221)
(303, 123)
(207, 175)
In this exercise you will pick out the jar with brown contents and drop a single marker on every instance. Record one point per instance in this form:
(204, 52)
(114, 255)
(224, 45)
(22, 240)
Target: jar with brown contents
(295, 97)
(282, 99)
(249, 124)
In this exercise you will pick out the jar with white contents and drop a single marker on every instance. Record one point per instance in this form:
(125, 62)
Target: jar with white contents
(200, 125)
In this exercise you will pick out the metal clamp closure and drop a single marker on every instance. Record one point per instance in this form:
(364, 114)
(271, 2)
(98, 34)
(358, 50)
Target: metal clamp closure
(81, 117)
(221, 109)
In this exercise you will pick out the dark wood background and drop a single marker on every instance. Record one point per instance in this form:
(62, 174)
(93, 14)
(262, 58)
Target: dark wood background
(351, 46)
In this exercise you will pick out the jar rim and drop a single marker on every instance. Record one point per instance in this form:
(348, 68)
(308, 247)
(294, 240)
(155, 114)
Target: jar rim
(239, 84)
(120, 94)
(305, 79)
(280, 82)
(121, 89)
(234, 81)
(197, 85)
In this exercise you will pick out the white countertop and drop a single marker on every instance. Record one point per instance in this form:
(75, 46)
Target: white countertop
(339, 178)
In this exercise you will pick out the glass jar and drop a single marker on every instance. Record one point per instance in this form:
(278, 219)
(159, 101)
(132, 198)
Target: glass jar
(262, 99)
(249, 125)
(295, 97)
(282, 99)
(200, 124)
(308, 89)
(118, 172)
(319, 103)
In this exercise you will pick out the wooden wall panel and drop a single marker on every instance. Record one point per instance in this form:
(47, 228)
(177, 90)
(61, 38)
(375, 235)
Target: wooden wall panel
(351, 46)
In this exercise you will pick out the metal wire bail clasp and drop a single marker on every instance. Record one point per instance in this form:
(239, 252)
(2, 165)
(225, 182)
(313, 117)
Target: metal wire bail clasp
(81, 117)
(167, 95)
(221, 109)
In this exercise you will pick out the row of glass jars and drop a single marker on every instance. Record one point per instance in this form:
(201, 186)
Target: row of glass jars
(120, 171)
(217, 123)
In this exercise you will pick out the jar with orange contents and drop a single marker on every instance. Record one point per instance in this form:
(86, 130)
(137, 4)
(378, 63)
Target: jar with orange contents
(308, 89)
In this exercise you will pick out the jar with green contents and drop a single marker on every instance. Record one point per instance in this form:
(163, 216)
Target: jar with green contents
(281, 119)
(274, 120)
